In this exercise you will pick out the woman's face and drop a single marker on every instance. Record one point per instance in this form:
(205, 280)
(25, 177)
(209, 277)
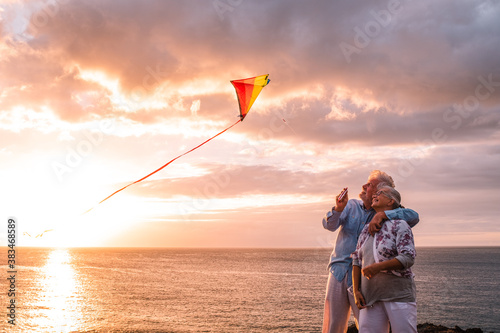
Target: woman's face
(380, 199)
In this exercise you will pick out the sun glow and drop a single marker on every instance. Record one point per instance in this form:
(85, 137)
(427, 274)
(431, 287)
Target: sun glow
(20, 118)
(58, 308)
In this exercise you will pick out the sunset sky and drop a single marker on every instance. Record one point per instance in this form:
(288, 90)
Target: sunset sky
(97, 94)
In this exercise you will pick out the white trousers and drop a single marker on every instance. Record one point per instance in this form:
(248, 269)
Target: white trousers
(338, 305)
(402, 317)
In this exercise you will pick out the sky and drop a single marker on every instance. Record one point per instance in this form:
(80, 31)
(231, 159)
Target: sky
(97, 94)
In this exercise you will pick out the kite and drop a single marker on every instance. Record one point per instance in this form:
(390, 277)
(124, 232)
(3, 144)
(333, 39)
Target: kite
(39, 235)
(247, 91)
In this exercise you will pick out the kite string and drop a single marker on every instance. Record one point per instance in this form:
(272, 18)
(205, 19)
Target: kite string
(163, 166)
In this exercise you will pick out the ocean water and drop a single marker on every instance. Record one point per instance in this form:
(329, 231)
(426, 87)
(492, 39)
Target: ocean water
(225, 290)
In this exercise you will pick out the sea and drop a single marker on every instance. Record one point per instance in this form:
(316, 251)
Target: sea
(223, 290)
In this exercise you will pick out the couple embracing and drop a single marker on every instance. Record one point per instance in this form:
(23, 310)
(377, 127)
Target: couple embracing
(369, 270)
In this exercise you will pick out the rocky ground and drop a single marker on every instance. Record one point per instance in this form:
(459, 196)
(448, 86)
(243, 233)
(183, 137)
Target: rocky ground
(431, 328)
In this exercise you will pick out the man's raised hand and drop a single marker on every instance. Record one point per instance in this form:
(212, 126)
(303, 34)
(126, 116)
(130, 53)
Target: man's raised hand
(341, 200)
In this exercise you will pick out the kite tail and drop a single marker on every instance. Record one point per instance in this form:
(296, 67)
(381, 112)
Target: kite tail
(163, 166)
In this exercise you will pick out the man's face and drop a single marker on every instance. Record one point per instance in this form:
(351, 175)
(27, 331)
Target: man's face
(368, 190)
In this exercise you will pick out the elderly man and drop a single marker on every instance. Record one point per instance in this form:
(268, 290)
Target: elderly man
(350, 216)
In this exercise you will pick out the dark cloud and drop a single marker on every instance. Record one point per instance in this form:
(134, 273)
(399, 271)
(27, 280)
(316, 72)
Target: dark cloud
(416, 56)
(451, 168)
(420, 80)
(307, 119)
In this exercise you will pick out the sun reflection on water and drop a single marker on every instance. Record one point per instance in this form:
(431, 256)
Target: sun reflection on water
(58, 302)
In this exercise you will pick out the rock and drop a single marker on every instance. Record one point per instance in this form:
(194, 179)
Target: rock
(352, 329)
(431, 328)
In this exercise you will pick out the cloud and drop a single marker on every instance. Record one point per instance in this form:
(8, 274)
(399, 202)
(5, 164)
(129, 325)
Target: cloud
(166, 44)
(223, 181)
(409, 87)
(437, 167)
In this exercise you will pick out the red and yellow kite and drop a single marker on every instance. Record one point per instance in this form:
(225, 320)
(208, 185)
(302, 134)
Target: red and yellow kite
(247, 91)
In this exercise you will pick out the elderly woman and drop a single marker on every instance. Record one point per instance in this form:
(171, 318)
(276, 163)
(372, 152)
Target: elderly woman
(383, 285)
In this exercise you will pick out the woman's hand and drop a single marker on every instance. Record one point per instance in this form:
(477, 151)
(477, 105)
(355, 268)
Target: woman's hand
(359, 299)
(374, 269)
(371, 271)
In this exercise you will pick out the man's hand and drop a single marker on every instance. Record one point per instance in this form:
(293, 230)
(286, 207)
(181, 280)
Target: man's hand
(371, 270)
(376, 223)
(340, 204)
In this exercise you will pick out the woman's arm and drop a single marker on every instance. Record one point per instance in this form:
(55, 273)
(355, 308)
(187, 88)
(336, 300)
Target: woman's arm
(356, 285)
(405, 245)
(372, 270)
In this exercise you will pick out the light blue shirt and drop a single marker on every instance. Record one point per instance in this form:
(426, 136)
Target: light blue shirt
(351, 221)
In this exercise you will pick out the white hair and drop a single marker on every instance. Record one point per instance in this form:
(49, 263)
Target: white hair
(392, 193)
(383, 178)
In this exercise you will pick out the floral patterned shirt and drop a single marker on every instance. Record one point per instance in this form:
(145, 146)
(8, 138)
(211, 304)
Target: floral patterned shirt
(350, 223)
(394, 240)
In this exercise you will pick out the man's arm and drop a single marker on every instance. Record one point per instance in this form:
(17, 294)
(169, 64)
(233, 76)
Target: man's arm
(332, 220)
(406, 214)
